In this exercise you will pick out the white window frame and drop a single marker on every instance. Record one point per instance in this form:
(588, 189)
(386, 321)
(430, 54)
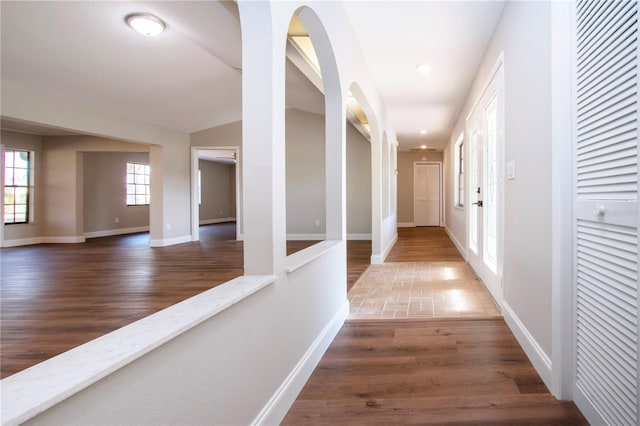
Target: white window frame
(135, 193)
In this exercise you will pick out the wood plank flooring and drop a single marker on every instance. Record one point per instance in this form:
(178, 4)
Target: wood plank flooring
(55, 297)
(442, 372)
(424, 244)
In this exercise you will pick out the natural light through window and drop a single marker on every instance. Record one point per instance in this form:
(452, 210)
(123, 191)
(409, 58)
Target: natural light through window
(138, 184)
(16, 186)
(459, 170)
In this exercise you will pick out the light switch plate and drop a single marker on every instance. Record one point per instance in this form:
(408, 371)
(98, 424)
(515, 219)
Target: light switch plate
(511, 170)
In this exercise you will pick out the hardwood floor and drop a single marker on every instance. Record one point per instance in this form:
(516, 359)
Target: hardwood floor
(358, 257)
(55, 297)
(424, 244)
(427, 372)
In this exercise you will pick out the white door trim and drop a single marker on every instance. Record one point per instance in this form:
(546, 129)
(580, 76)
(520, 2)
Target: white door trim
(441, 189)
(497, 74)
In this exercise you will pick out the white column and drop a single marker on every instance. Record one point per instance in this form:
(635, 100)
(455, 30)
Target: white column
(263, 144)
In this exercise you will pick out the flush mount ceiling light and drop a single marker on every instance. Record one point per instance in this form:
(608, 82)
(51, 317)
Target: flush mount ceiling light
(423, 68)
(423, 147)
(423, 132)
(145, 24)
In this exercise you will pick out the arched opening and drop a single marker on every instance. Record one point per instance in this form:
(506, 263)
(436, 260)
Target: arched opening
(304, 141)
(313, 147)
(358, 185)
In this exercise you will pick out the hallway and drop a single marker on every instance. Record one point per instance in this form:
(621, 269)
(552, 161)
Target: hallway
(426, 344)
(424, 277)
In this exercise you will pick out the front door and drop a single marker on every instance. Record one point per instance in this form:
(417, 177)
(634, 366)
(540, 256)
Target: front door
(426, 190)
(485, 140)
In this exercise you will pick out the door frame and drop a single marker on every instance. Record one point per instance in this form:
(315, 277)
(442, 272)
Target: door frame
(497, 72)
(441, 189)
(195, 206)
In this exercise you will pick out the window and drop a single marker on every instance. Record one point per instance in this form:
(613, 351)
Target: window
(459, 170)
(16, 186)
(138, 188)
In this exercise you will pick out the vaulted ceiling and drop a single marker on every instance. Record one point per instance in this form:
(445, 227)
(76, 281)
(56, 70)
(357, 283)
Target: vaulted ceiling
(189, 77)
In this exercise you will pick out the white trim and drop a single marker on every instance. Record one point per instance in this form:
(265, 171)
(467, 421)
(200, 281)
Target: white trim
(36, 389)
(22, 242)
(110, 232)
(220, 220)
(562, 310)
(541, 362)
(406, 225)
(361, 237)
(587, 408)
(280, 403)
(299, 259)
(169, 241)
(379, 259)
(461, 248)
(63, 240)
(306, 237)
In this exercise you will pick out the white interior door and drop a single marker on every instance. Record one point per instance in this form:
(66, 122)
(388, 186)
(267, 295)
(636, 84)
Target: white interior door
(484, 188)
(426, 191)
(606, 219)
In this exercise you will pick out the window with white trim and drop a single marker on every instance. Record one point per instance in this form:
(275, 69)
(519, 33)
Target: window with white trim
(17, 188)
(138, 184)
(459, 171)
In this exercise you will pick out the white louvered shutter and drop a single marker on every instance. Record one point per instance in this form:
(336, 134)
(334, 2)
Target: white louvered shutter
(606, 211)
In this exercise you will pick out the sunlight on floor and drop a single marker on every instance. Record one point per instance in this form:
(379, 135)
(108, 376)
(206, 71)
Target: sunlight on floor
(420, 290)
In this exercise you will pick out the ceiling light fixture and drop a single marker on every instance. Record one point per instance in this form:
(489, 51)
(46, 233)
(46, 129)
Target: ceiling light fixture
(423, 132)
(423, 68)
(145, 24)
(423, 147)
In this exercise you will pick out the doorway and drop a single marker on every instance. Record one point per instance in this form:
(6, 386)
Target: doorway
(427, 194)
(484, 240)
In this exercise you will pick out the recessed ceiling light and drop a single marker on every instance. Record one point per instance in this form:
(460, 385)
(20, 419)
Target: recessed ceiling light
(424, 68)
(423, 132)
(145, 24)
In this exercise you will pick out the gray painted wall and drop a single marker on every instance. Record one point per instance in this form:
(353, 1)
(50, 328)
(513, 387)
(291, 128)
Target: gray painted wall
(218, 190)
(104, 192)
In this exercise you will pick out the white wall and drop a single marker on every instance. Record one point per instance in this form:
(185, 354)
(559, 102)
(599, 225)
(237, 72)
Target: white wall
(527, 224)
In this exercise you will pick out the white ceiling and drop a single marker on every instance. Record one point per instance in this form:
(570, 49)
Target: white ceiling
(396, 36)
(188, 77)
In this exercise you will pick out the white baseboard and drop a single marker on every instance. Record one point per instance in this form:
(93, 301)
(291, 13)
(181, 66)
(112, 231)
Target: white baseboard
(378, 259)
(361, 237)
(406, 225)
(306, 237)
(110, 232)
(169, 241)
(541, 362)
(22, 242)
(462, 249)
(219, 220)
(280, 403)
(63, 240)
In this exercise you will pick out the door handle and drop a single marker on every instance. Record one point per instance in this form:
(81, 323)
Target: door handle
(479, 203)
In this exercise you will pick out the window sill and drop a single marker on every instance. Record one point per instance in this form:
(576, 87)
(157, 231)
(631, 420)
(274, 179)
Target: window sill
(34, 390)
